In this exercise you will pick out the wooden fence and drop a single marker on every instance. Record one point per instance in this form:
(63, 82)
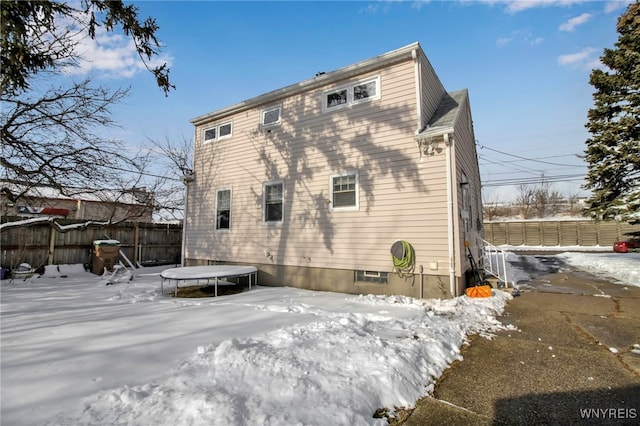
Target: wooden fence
(41, 244)
(584, 233)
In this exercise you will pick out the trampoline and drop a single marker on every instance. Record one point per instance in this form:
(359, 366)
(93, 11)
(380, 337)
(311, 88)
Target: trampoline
(193, 275)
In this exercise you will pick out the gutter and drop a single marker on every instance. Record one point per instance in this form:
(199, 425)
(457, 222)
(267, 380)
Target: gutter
(417, 78)
(378, 62)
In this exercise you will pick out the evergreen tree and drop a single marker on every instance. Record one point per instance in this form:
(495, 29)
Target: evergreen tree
(34, 38)
(613, 150)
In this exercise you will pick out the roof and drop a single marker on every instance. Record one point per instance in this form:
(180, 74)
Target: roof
(445, 116)
(321, 79)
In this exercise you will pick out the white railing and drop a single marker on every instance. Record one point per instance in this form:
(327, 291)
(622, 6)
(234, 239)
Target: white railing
(495, 262)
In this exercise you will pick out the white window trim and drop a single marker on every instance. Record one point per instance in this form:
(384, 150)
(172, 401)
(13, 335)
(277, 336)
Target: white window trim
(264, 202)
(325, 93)
(350, 100)
(266, 110)
(204, 132)
(215, 226)
(375, 79)
(217, 127)
(345, 208)
(230, 123)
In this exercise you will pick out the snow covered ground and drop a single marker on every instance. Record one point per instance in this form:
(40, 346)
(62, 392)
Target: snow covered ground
(75, 351)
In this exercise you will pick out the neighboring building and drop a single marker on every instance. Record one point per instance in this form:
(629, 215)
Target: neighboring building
(135, 205)
(315, 182)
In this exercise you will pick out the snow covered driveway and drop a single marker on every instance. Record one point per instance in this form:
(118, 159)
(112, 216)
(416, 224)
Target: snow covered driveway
(75, 351)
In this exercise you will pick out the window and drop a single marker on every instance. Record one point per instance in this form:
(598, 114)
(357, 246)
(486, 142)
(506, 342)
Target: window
(225, 130)
(356, 93)
(210, 134)
(273, 201)
(344, 191)
(466, 211)
(219, 131)
(365, 91)
(336, 98)
(271, 116)
(223, 209)
(372, 277)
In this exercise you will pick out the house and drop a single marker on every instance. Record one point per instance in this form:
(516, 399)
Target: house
(321, 183)
(135, 205)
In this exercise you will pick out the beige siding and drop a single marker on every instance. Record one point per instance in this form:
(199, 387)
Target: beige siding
(432, 90)
(467, 164)
(401, 195)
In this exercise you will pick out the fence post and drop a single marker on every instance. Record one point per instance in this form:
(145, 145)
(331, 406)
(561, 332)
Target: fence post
(52, 245)
(136, 243)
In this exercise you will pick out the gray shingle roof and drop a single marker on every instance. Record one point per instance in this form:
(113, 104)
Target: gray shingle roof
(447, 112)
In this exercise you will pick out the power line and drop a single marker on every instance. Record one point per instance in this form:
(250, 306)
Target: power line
(527, 159)
(529, 181)
(520, 160)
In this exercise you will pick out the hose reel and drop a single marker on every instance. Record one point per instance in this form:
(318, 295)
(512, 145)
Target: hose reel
(403, 257)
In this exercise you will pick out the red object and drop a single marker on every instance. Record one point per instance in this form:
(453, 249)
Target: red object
(632, 244)
(55, 211)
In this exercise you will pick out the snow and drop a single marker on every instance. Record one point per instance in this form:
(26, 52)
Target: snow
(624, 267)
(52, 219)
(204, 272)
(556, 249)
(76, 351)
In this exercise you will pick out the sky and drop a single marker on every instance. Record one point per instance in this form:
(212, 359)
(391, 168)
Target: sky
(526, 65)
(77, 351)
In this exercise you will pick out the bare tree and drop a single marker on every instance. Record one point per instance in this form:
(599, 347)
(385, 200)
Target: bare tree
(492, 209)
(525, 200)
(52, 135)
(573, 200)
(545, 200)
(173, 160)
(54, 139)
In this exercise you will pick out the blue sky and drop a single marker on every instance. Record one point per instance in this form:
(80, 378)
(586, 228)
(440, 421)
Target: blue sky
(526, 65)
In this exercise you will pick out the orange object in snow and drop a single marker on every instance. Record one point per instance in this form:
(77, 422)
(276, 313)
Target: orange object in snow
(479, 291)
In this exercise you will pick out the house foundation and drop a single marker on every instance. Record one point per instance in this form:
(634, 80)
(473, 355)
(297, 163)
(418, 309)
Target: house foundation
(347, 281)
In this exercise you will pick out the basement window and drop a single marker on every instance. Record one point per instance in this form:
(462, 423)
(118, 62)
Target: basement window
(372, 277)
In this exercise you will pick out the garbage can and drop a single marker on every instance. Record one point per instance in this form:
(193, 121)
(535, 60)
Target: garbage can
(104, 255)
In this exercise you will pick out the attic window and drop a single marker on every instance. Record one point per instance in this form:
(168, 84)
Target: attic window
(356, 93)
(364, 91)
(225, 130)
(210, 134)
(337, 98)
(219, 131)
(271, 116)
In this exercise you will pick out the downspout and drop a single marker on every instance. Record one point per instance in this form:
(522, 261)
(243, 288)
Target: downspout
(186, 179)
(417, 69)
(451, 236)
(184, 223)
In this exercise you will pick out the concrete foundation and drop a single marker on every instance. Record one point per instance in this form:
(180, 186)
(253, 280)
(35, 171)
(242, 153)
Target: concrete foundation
(345, 281)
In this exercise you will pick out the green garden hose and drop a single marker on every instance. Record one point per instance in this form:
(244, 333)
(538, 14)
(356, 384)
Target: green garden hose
(403, 257)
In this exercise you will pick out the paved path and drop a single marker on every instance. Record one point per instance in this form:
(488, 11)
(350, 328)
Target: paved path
(571, 356)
